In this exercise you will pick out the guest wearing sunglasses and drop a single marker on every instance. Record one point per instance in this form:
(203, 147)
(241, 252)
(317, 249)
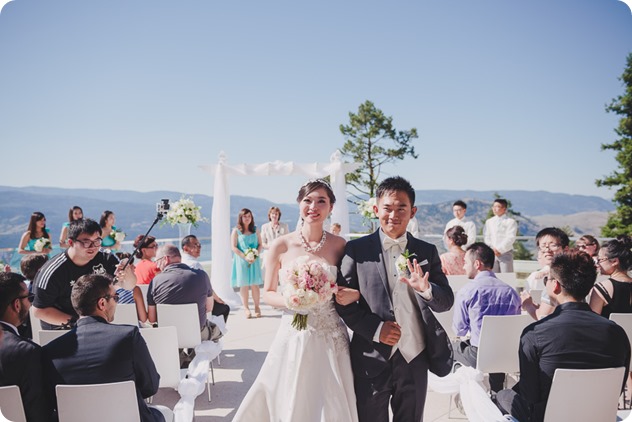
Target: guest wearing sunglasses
(84, 256)
(588, 244)
(98, 352)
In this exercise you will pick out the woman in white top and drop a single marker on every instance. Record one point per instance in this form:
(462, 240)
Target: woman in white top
(274, 228)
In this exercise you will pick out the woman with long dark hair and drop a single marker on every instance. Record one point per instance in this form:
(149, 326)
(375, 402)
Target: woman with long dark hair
(35, 232)
(74, 214)
(246, 273)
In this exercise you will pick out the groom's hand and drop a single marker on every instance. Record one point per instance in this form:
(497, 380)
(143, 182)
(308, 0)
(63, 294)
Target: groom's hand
(418, 279)
(390, 333)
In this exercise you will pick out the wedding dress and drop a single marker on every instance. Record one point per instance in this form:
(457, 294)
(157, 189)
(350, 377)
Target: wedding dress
(307, 374)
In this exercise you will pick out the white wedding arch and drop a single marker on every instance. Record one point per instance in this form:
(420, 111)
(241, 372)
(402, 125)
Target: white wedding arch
(221, 254)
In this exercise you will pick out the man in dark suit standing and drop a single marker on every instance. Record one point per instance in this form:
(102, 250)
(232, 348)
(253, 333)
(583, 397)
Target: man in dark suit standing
(96, 352)
(396, 338)
(20, 358)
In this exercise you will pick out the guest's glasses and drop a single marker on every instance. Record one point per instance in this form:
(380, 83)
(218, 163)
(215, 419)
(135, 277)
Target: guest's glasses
(30, 296)
(154, 246)
(114, 297)
(86, 243)
(585, 245)
(550, 246)
(600, 260)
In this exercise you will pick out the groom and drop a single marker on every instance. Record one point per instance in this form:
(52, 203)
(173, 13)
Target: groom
(396, 338)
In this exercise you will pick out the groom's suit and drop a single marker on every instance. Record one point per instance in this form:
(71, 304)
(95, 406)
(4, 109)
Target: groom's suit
(374, 365)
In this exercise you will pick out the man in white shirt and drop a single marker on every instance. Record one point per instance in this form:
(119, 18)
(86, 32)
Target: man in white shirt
(500, 234)
(459, 208)
(191, 249)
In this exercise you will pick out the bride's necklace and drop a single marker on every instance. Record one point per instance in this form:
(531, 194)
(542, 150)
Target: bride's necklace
(315, 248)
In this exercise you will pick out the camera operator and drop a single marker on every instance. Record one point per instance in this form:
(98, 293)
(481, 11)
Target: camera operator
(54, 281)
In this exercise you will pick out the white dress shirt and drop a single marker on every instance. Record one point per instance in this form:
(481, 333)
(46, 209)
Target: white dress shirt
(191, 261)
(500, 233)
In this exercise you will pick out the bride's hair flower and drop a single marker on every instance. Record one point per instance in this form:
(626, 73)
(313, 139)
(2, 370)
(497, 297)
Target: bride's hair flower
(184, 211)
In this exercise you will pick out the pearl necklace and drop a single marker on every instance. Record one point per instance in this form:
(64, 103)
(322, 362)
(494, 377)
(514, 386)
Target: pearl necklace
(315, 248)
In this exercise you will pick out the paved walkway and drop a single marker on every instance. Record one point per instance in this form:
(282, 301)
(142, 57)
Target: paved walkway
(245, 348)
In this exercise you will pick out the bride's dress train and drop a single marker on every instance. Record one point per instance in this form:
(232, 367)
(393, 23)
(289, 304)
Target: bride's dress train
(307, 374)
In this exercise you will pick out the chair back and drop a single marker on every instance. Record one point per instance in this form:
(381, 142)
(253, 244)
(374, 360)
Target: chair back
(162, 343)
(509, 278)
(115, 401)
(625, 322)
(499, 342)
(11, 405)
(594, 394)
(446, 320)
(46, 336)
(36, 327)
(126, 314)
(457, 282)
(186, 320)
(143, 289)
(536, 295)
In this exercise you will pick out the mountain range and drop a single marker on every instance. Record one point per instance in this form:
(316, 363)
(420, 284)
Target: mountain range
(135, 211)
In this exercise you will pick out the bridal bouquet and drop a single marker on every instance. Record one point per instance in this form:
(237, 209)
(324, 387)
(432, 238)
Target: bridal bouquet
(251, 254)
(117, 235)
(308, 284)
(402, 263)
(184, 211)
(42, 243)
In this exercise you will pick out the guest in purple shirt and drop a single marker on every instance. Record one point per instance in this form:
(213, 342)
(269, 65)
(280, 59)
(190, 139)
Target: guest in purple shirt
(484, 295)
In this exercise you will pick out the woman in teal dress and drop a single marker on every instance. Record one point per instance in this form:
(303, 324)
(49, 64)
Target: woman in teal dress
(36, 230)
(246, 272)
(107, 227)
(74, 214)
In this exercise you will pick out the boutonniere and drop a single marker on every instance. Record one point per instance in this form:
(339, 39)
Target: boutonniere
(402, 263)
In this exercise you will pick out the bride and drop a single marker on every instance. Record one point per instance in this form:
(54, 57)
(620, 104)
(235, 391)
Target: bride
(307, 374)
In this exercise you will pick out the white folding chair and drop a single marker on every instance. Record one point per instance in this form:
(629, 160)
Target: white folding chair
(46, 336)
(594, 394)
(126, 314)
(457, 282)
(186, 320)
(509, 278)
(144, 288)
(162, 343)
(536, 295)
(11, 405)
(36, 327)
(97, 402)
(499, 342)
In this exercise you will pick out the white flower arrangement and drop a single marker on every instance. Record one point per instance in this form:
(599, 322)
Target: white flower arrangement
(42, 243)
(117, 235)
(308, 284)
(365, 208)
(402, 263)
(251, 255)
(184, 211)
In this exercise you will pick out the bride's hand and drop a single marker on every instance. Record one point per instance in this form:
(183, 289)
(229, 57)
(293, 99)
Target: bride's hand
(347, 296)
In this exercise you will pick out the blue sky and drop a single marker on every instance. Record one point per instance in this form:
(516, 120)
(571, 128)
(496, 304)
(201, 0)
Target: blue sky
(136, 95)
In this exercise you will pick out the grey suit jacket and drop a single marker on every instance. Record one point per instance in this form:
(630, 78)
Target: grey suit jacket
(363, 268)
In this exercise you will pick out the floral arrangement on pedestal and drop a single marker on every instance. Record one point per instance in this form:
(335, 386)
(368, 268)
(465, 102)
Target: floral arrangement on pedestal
(42, 243)
(184, 211)
(365, 209)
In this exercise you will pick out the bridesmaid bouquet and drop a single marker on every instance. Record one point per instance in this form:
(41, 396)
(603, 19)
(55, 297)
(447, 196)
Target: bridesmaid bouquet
(117, 235)
(251, 255)
(308, 284)
(42, 243)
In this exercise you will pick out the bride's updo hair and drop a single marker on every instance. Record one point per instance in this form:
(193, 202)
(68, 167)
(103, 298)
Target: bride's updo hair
(457, 235)
(311, 185)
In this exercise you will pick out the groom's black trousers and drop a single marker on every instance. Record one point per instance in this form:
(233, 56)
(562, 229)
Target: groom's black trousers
(403, 384)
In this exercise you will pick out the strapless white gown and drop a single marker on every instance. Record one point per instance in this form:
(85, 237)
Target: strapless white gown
(307, 374)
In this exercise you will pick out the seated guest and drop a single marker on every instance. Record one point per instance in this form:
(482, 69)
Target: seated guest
(191, 249)
(549, 241)
(177, 283)
(484, 295)
(588, 244)
(146, 268)
(572, 337)
(29, 266)
(20, 358)
(615, 294)
(53, 283)
(453, 260)
(97, 352)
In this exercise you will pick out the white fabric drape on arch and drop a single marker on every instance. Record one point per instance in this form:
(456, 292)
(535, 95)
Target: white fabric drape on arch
(221, 254)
